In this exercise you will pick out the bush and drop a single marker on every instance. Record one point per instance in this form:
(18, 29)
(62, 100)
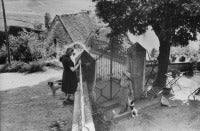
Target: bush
(198, 66)
(27, 47)
(188, 73)
(33, 67)
(173, 58)
(18, 66)
(3, 68)
(3, 56)
(54, 64)
(14, 67)
(186, 51)
(154, 53)
(182, 59)
(188, 70)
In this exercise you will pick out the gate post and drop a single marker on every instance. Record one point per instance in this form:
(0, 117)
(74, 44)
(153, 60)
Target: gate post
(136, 66)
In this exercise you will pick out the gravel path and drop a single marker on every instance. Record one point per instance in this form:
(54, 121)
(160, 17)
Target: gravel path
(14, 80)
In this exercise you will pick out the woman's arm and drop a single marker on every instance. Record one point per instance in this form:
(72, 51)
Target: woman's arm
(75, 67)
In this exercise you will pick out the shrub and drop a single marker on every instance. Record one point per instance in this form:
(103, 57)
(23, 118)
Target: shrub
(182, 59)
(18, 66)
(186, 51)
(173, 58)
(14, 67)
(53, 63)
(47, 20)
(3, 68)
(154, 53)
(198, 66)
(3, 56)
(27, 47)
(32, 67)
(188, 70)
(188, 73)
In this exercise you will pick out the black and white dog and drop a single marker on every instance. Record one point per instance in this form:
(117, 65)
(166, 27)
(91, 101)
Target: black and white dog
(54, 86)
(134, 112)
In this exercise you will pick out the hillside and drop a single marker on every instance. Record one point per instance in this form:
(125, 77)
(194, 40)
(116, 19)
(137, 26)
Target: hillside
(42, 6)
(28, 12)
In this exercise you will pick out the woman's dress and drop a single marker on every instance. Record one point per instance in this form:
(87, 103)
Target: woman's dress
(69, 78)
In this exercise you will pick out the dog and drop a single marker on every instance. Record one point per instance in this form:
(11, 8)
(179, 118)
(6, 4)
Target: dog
(54, 86)
(134, 111)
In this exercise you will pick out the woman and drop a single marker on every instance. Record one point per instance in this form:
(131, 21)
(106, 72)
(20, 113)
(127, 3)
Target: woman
(69, 79)
(126, 90)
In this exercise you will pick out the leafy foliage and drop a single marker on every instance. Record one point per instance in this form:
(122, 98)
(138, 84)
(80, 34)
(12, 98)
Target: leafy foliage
(198, 66)
(18, 66)
(179, 19)
(154, 53)
(26, 47)
(47, 20)
(182, 59)
(190, 54)
(3, 55)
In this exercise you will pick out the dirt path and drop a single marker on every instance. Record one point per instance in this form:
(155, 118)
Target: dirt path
(14, 80)
(32, 107)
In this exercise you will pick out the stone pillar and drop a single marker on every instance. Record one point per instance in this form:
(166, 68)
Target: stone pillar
(136, 66)
(89, 69)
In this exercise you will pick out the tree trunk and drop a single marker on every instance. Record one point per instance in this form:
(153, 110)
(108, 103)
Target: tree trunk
(163, 61)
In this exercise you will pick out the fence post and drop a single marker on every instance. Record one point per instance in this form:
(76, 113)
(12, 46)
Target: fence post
(111, 68)
(137, 62)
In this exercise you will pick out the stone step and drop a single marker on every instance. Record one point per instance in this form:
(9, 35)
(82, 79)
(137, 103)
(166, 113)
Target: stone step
(109, 104)
(113, 113)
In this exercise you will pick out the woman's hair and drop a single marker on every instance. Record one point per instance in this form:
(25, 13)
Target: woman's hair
(69, 51)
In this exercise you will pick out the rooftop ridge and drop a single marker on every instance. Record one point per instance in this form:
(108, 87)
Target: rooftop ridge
(73, 14)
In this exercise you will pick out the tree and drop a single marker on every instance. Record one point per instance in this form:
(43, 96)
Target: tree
(47, 20)
(175, 22)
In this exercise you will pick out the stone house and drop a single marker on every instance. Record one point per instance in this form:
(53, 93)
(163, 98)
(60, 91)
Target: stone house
(69, 28)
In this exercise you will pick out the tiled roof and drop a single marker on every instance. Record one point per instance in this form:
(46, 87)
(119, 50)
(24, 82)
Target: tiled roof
(79, 26)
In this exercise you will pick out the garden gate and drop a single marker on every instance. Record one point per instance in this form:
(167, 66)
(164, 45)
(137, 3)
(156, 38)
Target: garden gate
(109, 68)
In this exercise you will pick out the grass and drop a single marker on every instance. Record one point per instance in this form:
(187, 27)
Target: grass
(34, 109)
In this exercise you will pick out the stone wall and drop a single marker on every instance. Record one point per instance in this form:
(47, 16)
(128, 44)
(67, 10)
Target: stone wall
(176, 66)
(136, 66)
(77, 114)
